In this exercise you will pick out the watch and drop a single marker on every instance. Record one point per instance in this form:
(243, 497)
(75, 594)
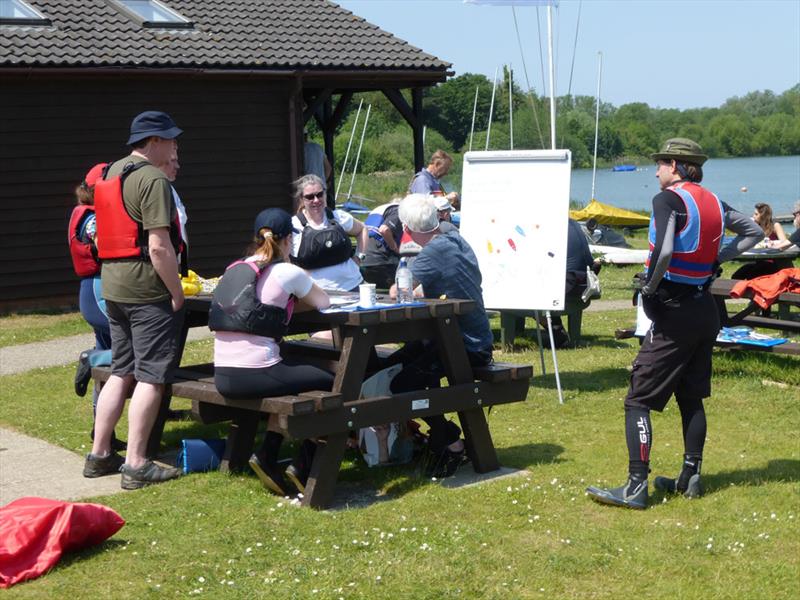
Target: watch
(361, 256)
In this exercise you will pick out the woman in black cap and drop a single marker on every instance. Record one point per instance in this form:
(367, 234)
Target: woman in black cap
(247, 360)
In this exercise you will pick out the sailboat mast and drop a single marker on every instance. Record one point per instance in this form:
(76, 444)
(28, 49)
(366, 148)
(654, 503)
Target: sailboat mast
(597, 118)
(474, 109)
(491, 110)
(511, 106)
(552, 77)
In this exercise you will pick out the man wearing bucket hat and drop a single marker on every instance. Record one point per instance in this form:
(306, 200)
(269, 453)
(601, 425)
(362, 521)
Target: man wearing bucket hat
(138, 237)
(686, 229)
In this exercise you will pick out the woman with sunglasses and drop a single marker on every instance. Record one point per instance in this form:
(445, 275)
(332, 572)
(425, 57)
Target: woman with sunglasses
(323, 246)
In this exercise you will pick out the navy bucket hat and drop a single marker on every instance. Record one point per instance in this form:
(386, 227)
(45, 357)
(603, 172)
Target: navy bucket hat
(153, 123)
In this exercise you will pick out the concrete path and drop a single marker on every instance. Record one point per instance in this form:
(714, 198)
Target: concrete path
(32, 467)
(61, 351)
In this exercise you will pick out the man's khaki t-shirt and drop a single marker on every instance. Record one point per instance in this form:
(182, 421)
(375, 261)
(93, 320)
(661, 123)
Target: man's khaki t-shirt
(147, 195)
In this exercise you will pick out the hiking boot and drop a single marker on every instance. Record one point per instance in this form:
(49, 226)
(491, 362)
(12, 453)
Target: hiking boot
(631, 495)
(269, 474)
(83, 374)
(99, 466)
(148, 474)
(694, 488)
(445, 463)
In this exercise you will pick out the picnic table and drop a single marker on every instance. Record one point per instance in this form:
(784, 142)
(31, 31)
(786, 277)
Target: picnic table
(329, 416)
(733, 314)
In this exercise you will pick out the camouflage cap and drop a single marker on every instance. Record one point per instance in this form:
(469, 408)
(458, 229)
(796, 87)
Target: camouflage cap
(682, 150)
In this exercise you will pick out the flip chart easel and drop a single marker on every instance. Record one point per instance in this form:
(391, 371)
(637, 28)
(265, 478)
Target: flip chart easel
(514, 211)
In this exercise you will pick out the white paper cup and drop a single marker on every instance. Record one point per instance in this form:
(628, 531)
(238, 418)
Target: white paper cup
(367, 296)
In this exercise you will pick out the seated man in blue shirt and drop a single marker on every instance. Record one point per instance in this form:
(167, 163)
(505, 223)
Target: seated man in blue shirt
(579, 256)
(446, 266)
(427, 180)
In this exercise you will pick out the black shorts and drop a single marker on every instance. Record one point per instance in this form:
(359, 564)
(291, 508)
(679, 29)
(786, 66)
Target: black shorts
(675, 356)
(144, 340)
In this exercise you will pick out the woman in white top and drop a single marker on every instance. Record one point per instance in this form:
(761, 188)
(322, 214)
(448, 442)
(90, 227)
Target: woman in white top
(322, 247)
(247, 365)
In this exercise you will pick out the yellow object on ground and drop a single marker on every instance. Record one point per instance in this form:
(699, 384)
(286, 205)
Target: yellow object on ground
(605, 214)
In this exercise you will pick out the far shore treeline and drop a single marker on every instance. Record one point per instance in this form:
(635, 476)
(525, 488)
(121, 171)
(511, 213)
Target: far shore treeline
(760, 123)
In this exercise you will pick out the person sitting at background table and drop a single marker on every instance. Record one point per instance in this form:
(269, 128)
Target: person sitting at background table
(773, 232)
(385, 230)
(445, 267)
(322, 245)
(82, 236)
(793, 239)
(579, 257)
(248, 364)
(426, 181)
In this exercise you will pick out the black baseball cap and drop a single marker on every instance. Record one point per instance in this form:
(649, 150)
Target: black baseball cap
(276, 220)
(153, 123)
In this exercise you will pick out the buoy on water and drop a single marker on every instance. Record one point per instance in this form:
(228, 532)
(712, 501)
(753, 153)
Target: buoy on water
(743, 188)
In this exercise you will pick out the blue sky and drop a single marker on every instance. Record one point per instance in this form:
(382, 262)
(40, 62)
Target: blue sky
(671, 54)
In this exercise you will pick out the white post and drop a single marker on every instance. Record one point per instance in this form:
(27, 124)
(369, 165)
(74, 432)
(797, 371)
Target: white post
(555, 359)
(597, 119)
(358, 154)
(511, 107)
(552, 77)
(491, 110)
(474, 108)
(347, 153)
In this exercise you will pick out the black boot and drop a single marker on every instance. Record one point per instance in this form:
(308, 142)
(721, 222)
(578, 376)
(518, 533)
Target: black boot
(264, 463)
(633, 494)
(687, 483)
(300, 469)
(83, 374)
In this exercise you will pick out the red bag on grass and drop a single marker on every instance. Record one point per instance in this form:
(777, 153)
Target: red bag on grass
(35, 532)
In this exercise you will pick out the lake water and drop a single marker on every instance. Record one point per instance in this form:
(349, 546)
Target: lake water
(774, 180)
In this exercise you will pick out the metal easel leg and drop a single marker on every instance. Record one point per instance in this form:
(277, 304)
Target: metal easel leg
(539, 339)
(555, 359)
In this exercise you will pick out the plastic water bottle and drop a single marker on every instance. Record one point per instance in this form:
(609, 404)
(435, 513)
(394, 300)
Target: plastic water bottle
(405, 283)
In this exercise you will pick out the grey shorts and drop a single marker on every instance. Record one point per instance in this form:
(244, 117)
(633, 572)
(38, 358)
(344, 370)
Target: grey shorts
(144, 340)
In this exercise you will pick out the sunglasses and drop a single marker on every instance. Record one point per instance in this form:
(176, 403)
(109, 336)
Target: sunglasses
(319, 195)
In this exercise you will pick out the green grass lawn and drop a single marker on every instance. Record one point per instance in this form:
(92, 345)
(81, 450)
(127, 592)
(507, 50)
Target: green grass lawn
(535, 535)
(24, 328)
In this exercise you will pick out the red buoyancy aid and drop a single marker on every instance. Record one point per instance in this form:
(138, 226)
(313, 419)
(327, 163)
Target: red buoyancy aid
(697, 244)
(118, 234)
(84, 254)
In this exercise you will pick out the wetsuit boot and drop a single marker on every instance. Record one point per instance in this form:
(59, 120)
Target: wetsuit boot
(639, 437)
(687, 483)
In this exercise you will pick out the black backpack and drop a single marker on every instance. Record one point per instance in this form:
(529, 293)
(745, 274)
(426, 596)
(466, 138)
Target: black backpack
(235, 305)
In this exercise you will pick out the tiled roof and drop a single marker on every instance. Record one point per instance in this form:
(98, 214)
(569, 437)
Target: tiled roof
(227, 34)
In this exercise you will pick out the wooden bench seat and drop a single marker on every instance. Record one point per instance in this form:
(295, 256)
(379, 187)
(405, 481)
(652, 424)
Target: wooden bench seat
(319, 413)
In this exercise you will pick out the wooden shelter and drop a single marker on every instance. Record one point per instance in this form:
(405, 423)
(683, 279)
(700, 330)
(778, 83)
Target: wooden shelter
(240, 77)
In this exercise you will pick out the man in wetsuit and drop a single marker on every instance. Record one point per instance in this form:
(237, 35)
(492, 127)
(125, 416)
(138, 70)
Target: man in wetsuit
(686, 228)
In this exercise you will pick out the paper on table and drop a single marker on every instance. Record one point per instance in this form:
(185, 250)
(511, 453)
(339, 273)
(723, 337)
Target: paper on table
(354, 306)
(642, 322)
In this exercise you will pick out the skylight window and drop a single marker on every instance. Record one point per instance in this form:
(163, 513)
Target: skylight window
(151, 13)
(17, 12)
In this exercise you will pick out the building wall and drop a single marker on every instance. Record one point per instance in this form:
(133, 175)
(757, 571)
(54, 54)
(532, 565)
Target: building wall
(236, 158)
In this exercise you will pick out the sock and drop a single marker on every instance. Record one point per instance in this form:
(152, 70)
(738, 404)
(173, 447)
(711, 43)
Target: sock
(270, 447)
(639, 435)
